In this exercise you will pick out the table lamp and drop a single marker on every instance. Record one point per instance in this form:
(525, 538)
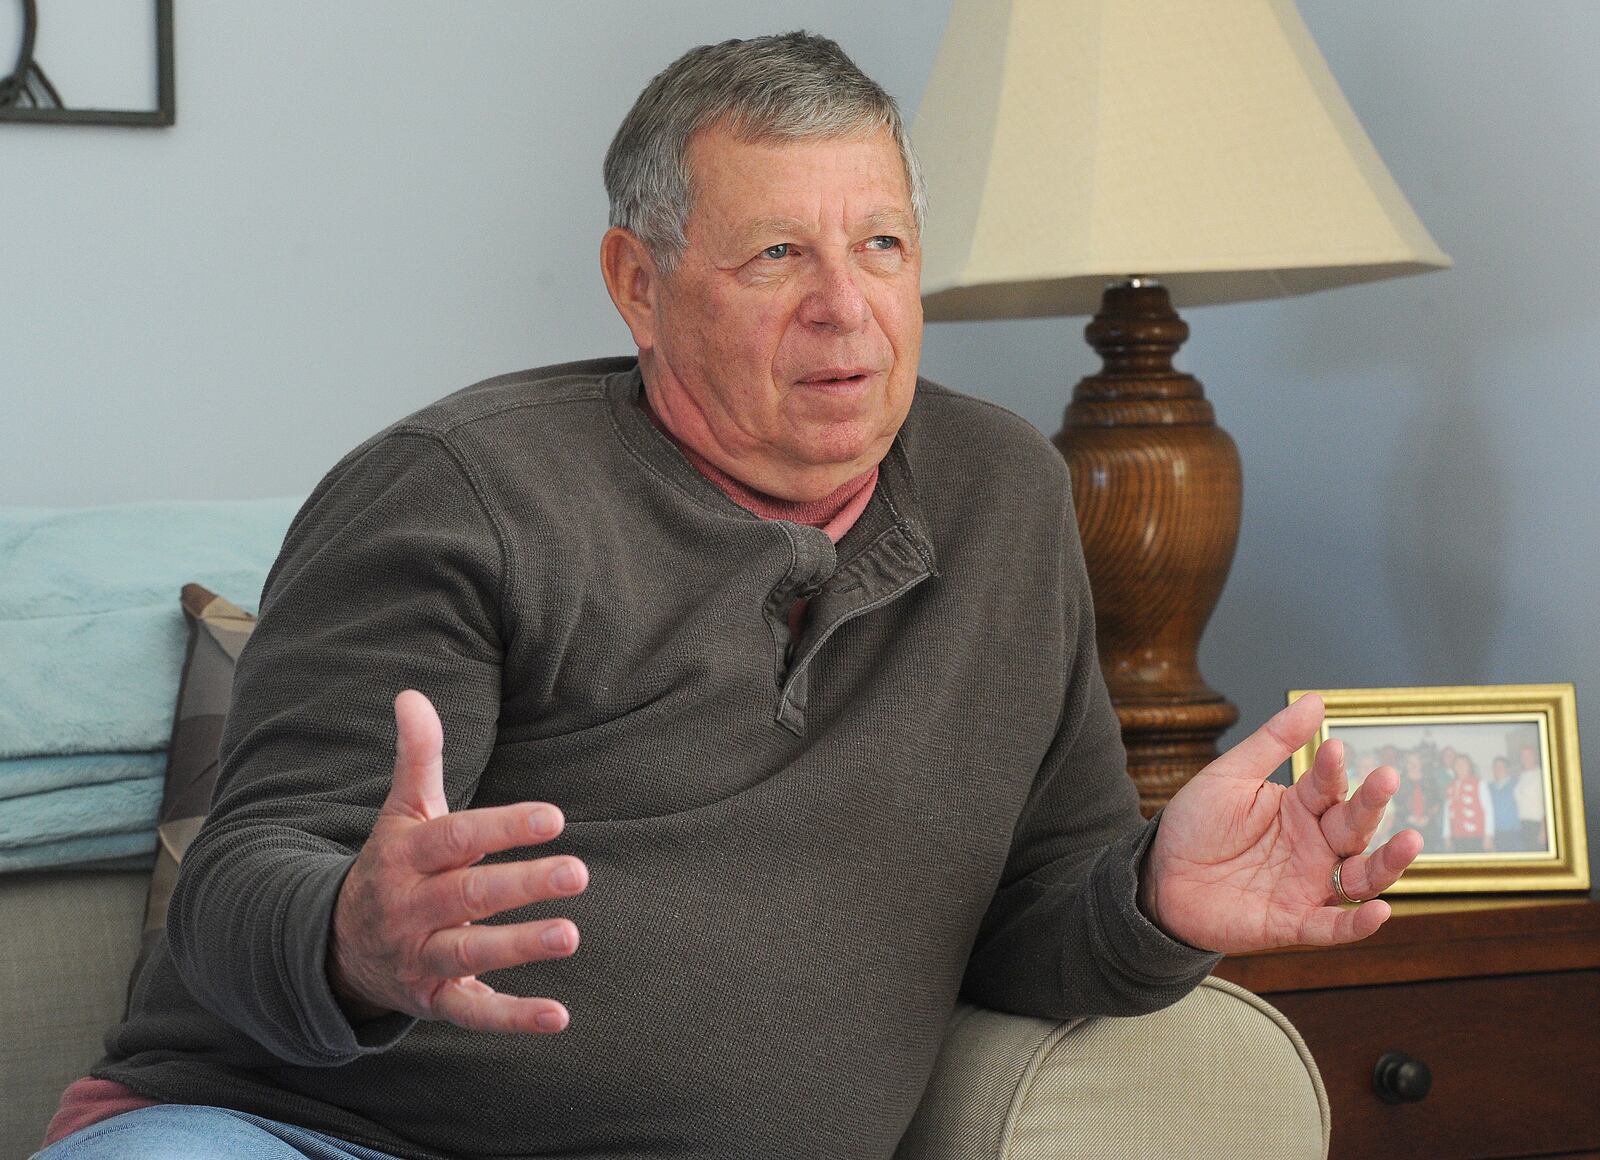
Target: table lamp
(1116, 157)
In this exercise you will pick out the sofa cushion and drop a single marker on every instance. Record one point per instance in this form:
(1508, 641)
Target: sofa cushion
(217, 633)
(70, 942)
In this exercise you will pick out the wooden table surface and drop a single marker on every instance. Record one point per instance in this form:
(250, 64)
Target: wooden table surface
(1438, 938)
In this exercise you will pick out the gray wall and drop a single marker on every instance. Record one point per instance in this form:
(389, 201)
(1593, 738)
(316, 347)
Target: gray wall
(366, 205)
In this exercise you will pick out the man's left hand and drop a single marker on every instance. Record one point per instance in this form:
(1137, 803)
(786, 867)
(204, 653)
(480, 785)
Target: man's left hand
(1240, 863)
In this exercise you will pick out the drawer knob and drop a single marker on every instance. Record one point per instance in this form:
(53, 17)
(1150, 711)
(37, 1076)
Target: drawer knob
(1399, 1079)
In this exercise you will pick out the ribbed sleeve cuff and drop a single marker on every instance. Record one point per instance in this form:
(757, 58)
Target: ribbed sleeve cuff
(1136, 949)
(327, 1035)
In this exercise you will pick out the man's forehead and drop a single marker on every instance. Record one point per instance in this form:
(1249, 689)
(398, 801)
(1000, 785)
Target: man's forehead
(753, 185)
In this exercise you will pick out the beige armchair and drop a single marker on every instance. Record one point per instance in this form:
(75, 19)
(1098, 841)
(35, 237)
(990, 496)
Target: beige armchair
(1218, 1074)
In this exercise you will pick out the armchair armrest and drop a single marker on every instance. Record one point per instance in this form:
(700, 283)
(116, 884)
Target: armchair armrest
(1219, 1073)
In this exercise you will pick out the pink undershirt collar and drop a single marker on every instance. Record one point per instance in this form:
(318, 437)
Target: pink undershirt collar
(834, 513)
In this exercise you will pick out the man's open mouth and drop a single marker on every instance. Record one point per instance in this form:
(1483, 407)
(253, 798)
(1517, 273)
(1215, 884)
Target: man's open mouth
(835, 375)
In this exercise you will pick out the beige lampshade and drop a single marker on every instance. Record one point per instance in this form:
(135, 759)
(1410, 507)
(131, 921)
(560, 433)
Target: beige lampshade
(1068, 143)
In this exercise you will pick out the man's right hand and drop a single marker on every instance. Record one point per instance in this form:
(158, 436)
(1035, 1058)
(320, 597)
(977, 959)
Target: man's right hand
(404, 936)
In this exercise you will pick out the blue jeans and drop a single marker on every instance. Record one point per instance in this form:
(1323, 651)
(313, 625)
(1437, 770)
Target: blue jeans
(193, 1132)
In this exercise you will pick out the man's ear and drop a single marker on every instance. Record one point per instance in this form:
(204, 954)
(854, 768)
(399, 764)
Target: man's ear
(633, 282)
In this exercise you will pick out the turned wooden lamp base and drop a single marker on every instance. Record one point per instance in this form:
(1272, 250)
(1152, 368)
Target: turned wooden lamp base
(1157, 487)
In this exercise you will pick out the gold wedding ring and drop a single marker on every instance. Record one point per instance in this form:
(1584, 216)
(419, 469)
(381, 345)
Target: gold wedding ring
(1338, 886)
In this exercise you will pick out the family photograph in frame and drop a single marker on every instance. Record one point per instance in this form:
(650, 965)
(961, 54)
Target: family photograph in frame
(1489, 775)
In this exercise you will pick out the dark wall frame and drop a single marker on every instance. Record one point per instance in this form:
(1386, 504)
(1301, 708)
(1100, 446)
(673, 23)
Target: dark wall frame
(165, 113)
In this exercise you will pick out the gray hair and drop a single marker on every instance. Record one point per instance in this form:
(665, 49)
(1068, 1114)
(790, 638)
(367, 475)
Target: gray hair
(790, 87)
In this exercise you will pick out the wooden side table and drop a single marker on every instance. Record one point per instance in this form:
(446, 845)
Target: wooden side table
(1497, 999)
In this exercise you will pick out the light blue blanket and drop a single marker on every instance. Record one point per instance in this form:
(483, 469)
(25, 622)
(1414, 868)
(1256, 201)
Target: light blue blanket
(91, 634)
(132, 851)
(26, 776)
(91, 652)
(80, 824)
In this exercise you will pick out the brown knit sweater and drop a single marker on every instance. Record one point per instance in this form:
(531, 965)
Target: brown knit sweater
(800, 853)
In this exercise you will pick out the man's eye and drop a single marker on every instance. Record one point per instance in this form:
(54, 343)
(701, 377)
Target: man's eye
(781, 250)
(884, 242)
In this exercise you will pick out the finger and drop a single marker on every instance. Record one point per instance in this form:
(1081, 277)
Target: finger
(1349, 825)
(476, 1006)
(1270, 746)
(1368, 875)
(471, 950)
(1331, 925)
(418, 789)
(1325, 783)
(477, 892)
(461, 838)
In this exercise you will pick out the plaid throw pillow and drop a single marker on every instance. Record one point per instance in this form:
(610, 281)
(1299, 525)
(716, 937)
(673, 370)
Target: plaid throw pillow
(217, 632)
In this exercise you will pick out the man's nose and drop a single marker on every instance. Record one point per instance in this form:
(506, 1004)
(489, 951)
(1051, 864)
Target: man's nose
(835, 298)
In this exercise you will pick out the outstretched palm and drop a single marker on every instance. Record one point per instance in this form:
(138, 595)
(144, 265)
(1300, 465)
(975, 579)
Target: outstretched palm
(1240, 863)
(407, 933)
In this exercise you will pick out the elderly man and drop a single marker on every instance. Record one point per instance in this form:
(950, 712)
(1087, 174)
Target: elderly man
(765, 665)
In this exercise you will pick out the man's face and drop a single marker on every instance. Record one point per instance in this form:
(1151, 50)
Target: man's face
(792, 325)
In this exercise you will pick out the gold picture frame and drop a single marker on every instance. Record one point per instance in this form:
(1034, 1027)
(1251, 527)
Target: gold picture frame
(1472, 729)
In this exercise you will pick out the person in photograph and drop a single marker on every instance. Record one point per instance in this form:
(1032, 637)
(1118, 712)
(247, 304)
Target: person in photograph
(1421, 801)
(1503, 796)
(1440, 764)
(1530, 800)
(1469, 827)
(1445, 769)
